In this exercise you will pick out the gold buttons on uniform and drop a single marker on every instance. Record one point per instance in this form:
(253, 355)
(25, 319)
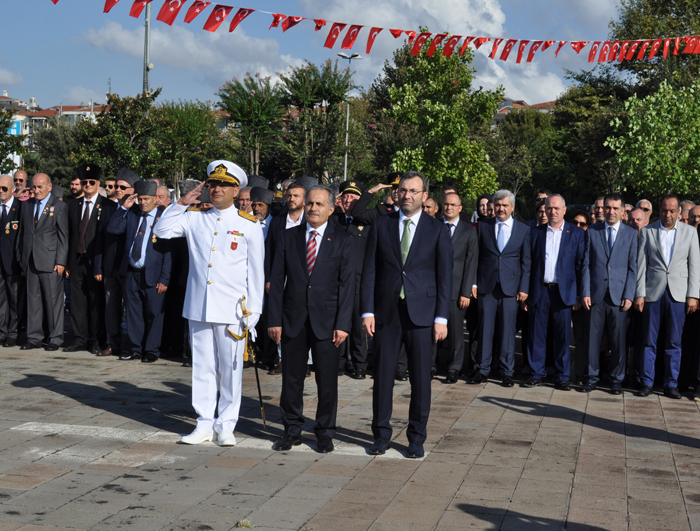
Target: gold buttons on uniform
(209, 282)
(219, 219)
(211, 265)
(216, 234)
(213, 248)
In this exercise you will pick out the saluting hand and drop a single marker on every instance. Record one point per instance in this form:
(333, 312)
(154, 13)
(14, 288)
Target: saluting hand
(191, 196)
(129, 202)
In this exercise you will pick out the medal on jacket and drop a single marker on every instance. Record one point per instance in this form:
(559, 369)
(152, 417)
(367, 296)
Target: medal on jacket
(99, 211)
(234, 246)
(15, 224)
(51, 211)
(7, 229)
(154, 239)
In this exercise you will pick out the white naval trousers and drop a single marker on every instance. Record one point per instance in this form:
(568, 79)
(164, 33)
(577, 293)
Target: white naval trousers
(215, 352)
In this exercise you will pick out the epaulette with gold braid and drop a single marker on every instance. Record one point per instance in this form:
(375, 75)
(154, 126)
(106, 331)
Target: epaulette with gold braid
(249, 217)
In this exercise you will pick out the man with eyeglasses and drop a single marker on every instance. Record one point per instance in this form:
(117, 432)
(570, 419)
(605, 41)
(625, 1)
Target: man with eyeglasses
(645, 205)
(87, 294)
(20, 181)
(10, 272)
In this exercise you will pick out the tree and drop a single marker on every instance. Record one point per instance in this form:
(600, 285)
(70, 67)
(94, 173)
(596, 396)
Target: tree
(657, 146)
(53, 145)
(254, 107)
(9, 144)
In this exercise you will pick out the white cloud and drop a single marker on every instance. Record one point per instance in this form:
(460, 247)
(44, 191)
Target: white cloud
(9, 78)
(77, 94)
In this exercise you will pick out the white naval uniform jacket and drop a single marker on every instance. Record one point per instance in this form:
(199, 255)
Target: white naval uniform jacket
(227, 254)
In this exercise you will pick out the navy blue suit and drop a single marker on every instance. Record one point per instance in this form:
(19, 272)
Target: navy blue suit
(427, 279)
(555, 300)
(144, 305)
(10, 271)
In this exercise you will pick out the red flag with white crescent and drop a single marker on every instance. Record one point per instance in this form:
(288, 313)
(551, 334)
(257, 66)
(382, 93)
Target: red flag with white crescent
(396, 33)
(238, 18)
(604, 52)
(580, 45)
(521, 50)
(420, 41)
(351, 37)
(614, 50)
(561, 45)
(592, 52)
(547, 44)
(109, 4)
(450, 45)
(643, 49)
(531, 54)
(411, 36)
(436, 41)
(689, 44)
(478, 43)
(290, 22)
(372, 36)
(465, 44)
(508, 47)
(333, 35)
(319, 23)
(496, 43)
(667, 44)
(168, 13)
(633, 48)
(678, 44)
(217, 17)
(54, 2)
(276, 19)
(655, 47)
(195, 9)
(623, 50)
(137, 7)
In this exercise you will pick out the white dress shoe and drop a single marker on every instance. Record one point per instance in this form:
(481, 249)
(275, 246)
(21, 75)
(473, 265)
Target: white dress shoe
(226, 438)
(197, 437)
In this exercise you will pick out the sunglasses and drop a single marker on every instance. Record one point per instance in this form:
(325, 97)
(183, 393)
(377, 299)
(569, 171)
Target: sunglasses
(122, 187)
(580, 223)
(214, 184)
(19, 181)
(90, 182)
(4, 188)
(646, 209)
(109, 186)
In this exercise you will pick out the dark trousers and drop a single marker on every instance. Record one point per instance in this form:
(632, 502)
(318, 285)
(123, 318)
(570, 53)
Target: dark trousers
(45, 299)
(418, 341)
(469, 362)
(175, 326)
(325, 355)
(607, 315)
(87, 306)
(355, 345)
(114, 310)
(266, 347)
(672, 314)
(550, 304)
(497, 311)
(578, 361)
(455, 337)
(144, 314)
(9, 298)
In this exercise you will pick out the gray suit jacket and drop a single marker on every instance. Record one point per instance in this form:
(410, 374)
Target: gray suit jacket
(603, 270)
(47, 243)
(682, 275)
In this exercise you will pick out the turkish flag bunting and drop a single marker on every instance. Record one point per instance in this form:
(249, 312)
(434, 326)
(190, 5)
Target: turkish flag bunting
(195, 9)
(109, 4)
(333, 35)
(593, 51)
(633, 48)
(217, 17)
(580, 45)
(614, 50)
(521, 50)
(411, 36)
(396, 33)
(351, 37)
(531, 54)
(137, 7)
(508, 47)
(450, 45)
(238, 18)
(478, 43)
(655, 47)
(54, 2)
(466, 43)
(372, 36)
(604, 52)
(561, 45)
(168, 13)
(689, 44)
(494, 50)
(436, 41)
(319, 23)
(290, 22)
(420, 41)
(678, 44)
(667, 44)
(643, 50)
(623, 50)
(276, 19)
(547, 44)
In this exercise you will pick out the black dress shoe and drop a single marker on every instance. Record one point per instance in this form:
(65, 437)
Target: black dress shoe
(531, 382)
(324, 445)
(379, 447)
(127, 357)
(149, 358)
(415, 450)
(588, 387)
(29, 346)
(645, 390)
(10, 343)
(187, 364)
(616, 388)
(285, 443)
(672, 392)
(563, 386)
(75, 347)
(402, 376)
(451, 377)
(95, 349)
(478, 378)
(359, 374)
(51, 347)
(433, 373)
(507, 381)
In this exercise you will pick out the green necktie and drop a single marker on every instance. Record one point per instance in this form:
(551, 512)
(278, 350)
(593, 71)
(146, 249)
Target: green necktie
(405, 247)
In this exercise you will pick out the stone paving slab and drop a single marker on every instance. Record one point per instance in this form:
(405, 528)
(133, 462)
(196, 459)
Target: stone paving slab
(88, 443)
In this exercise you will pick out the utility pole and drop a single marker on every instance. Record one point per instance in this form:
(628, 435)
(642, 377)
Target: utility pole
(347, 119)
(147, 66)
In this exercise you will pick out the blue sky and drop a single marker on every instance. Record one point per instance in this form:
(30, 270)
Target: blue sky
(66, 53)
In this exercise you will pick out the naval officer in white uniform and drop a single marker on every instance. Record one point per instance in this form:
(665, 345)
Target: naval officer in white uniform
(226, 253)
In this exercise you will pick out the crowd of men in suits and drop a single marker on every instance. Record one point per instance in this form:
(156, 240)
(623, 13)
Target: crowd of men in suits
(339, 286)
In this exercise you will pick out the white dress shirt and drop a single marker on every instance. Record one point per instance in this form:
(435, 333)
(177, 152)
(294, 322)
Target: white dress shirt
(291, 223)
(265, 225)
(89, 204)
(552, 253)
(615, 230)
(667, 239)
(319, 234)
(507, 230)
(453, 228)
(8, 205)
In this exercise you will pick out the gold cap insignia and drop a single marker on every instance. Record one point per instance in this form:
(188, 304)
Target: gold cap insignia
(220, 173)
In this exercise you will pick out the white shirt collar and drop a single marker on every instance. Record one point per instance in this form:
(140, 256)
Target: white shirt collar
(319, 230)
(550, 229)
(455, 222)
(508, 222)
(9, 202)
(414, 218)
(614, 227)
(668, 230)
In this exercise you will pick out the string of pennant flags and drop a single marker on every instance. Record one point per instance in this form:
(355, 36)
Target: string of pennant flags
(600, 51)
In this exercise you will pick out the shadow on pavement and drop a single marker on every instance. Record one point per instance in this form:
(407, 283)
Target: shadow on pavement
(525, 522)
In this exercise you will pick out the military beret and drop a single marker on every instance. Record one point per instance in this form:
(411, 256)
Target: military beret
(127, 175)
(204, 197)
(89, 171)
(306, 181)
(57, 191)
(393, 178)
(261, 195)
(227, 172)
(144, 187)
(187, 185)
(256, 181)
(351, 187)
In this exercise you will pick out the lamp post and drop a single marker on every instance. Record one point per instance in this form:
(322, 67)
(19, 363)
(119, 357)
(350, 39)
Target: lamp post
(147, 66)
(347, 120)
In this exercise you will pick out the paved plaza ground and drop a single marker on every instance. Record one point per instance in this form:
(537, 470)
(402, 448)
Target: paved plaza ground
(91, 443)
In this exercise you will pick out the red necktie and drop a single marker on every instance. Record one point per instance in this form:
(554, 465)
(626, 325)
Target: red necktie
(311, 251)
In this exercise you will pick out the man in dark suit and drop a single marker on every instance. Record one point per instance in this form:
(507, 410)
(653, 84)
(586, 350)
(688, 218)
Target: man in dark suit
(609, 280)
(466, 257)
(502, 282)
(87, 294)
(310, 307)
(146, 264)
(43, 257)
(109, 252)
(555, 287)
(10, 272)
(406, 298)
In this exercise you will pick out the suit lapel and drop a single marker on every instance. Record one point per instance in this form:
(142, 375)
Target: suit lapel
(657, 237)
(301, 247)
(44, 215)
(492, 233)
(394, 235)
(565, 236)
(421, 232)
(606, 247)
(325, 246)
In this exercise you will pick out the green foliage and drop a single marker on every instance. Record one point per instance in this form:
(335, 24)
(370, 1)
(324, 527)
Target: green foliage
(9, 144)
(53, 145)
(657, 146)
